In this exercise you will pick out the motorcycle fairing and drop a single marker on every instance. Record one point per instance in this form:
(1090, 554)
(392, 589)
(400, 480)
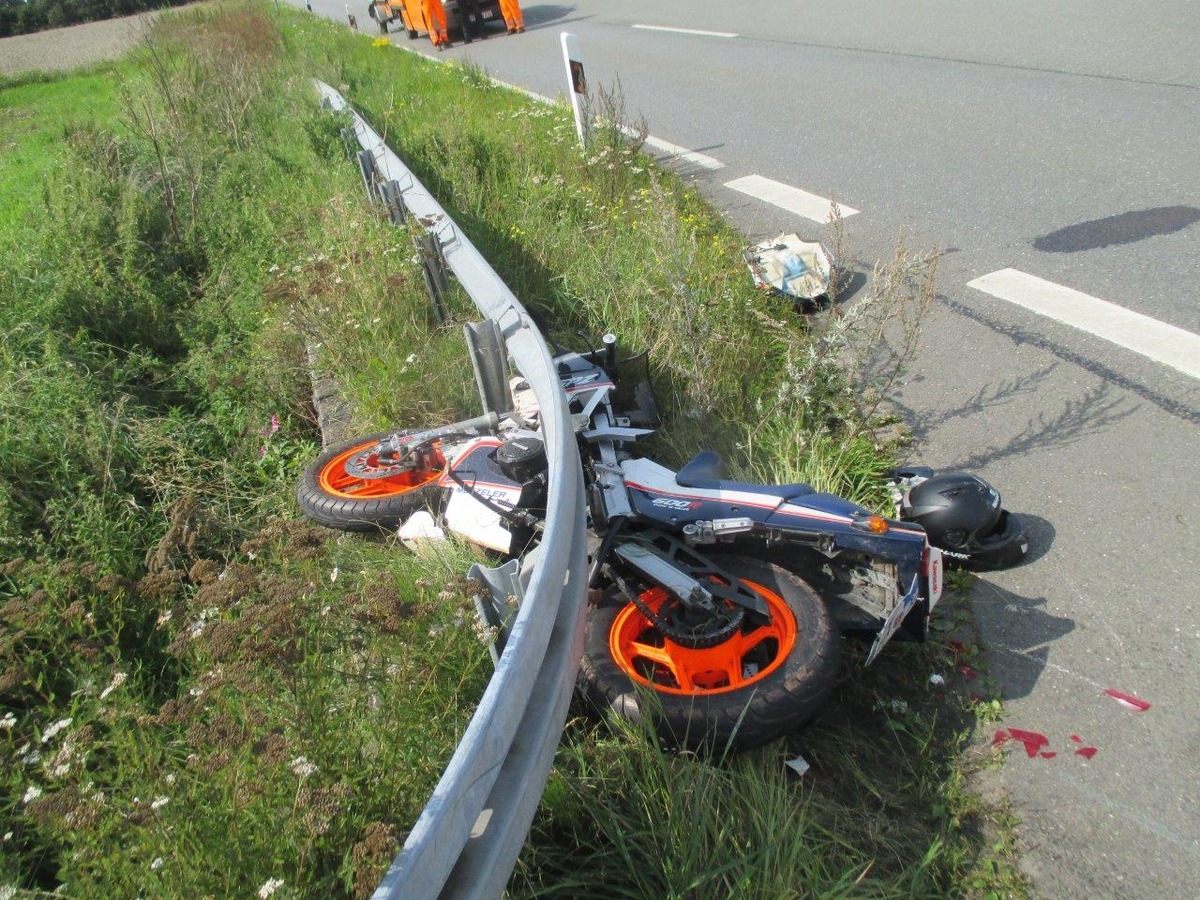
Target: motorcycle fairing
(657, 495)
(464, 514)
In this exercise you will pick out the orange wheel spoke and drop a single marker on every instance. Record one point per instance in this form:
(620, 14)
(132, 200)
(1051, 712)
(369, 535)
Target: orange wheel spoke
(738, 661)
(660, 656)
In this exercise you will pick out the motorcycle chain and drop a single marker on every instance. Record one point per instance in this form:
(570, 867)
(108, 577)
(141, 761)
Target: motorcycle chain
(725, 629)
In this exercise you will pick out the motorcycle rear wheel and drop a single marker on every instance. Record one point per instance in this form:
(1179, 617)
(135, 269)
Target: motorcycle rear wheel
(758, 684)
(331, 493)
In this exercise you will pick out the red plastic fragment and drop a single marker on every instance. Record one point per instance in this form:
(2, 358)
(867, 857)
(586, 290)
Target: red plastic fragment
(1000, 738)
(1086, 752)
(958, 647)
(1128, 700)
(965, 671)
(975, 698)
(1049, 754)
(1032, 740)
(1077, 739)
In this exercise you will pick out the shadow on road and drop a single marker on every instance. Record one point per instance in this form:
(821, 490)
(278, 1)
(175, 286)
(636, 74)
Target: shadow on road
(1182, 409)
(546, 14)
(1094, 411)
(1018, 633)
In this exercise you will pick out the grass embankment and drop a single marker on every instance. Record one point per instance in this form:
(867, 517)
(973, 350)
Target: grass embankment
(202, 694)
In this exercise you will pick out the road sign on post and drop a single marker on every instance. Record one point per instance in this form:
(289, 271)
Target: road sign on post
(576, 84)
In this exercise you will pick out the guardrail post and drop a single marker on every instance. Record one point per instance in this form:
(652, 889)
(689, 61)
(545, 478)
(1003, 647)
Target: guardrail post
(393, 199)
(433, 268)
(490, 359)
(366, 167)
(349, 142)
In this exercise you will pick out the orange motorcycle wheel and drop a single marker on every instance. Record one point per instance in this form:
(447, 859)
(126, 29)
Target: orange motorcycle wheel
(354, 488)
(759, 682)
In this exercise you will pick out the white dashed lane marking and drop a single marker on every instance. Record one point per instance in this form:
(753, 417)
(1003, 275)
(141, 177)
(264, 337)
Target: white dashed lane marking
(1153, 339)
(794, 200)
(720, 34)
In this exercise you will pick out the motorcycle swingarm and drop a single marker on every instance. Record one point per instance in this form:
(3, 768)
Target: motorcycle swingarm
(684, 573)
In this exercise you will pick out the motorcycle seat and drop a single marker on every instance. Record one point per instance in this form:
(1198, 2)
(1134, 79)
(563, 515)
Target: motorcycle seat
(705, 469)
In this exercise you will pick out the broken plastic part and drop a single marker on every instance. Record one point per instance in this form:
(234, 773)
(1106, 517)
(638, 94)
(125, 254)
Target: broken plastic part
(1034, 741)
(1128, 700)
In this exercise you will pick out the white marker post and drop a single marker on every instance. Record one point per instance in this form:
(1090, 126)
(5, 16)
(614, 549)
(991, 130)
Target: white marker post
(576, 83)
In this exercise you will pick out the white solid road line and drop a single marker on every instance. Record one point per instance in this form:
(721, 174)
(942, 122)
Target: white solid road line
(794, 200)
(721, 34)
(697, 159)
(1156, 340)
(532, 95)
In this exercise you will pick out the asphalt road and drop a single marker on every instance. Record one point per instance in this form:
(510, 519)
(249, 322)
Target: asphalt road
(1061, 139)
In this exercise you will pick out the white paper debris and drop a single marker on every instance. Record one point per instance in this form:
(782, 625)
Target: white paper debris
(799, 765)
(420, 528)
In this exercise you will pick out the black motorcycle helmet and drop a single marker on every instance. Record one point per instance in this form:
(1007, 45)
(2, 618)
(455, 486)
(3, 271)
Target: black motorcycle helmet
(963, 518)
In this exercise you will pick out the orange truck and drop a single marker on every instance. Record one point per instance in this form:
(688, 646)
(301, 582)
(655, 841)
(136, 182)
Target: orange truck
(468, 19)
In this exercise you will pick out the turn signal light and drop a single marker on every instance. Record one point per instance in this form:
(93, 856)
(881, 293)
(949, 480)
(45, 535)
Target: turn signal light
(873, 524)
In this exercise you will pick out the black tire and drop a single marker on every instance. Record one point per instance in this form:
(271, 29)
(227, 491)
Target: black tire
(383, 29)
(784, 697)
(412, 33)
(326, 492)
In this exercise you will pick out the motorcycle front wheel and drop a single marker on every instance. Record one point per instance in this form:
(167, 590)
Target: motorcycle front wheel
(758, 683)
(356, 487)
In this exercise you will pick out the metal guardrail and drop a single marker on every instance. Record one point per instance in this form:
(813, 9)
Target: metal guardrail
(466, 841)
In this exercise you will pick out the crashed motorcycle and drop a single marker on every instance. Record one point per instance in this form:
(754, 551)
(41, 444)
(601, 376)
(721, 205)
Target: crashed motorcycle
(715, 605)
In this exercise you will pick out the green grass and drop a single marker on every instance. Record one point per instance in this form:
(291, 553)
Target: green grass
(33, 116)
(202, 694)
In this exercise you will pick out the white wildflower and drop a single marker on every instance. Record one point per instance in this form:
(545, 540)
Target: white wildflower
(31, 794)
(8, 721)
(302, 767)
(159, 802)
(55, 729)
(170, 779)
(118, 679)
(270, 886)
(157, 864)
